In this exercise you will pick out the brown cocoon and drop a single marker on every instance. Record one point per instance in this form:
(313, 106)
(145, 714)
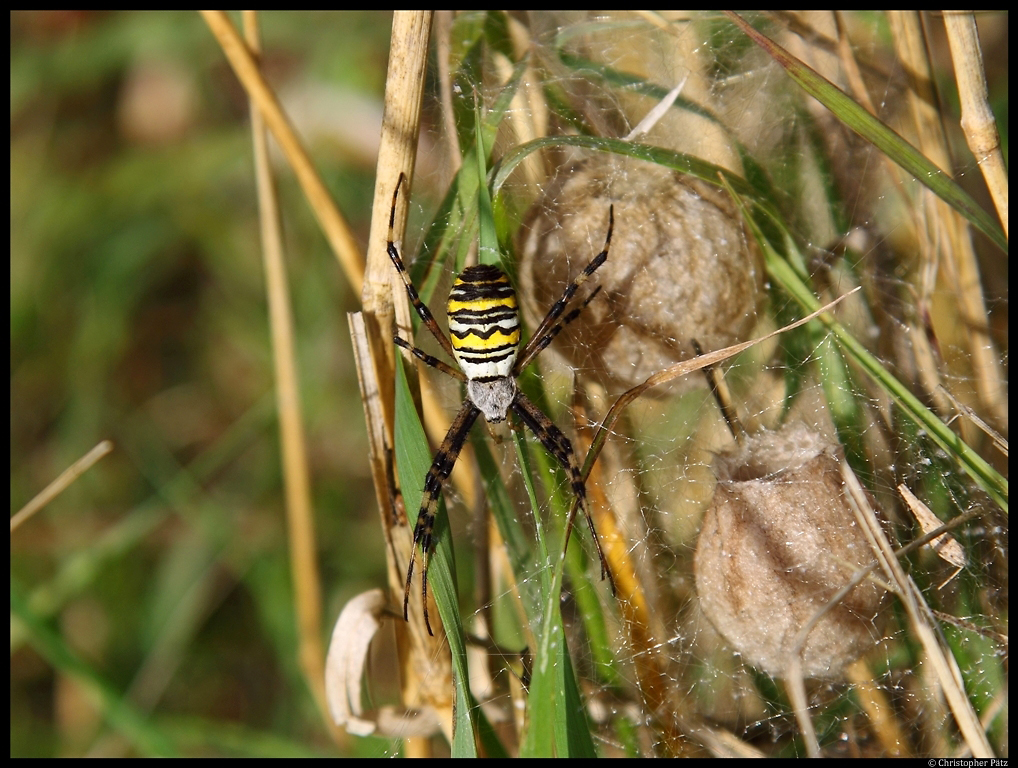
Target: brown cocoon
(777, 542)
(680, 267)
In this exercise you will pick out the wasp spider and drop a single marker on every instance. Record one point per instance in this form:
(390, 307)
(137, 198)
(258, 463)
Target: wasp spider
(484, 324)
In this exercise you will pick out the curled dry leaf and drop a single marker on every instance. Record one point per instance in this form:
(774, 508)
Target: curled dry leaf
(348, 652)
(945, 545)
(357, 625)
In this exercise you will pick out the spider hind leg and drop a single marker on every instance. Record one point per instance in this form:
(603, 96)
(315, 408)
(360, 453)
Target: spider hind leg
(558, 445)
(438, 473)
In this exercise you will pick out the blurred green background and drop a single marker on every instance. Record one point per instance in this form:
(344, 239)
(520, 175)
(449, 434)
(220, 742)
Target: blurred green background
(152, 605)
(138, 315)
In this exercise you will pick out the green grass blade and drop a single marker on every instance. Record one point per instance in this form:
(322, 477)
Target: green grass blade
(522, 555)
(880, 135)
(985, 476)
(978, 469)
(413, 458)
(678, 161)
(556, 725)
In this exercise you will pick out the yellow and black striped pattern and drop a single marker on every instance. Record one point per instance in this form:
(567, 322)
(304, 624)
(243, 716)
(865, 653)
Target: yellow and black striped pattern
(484, 323)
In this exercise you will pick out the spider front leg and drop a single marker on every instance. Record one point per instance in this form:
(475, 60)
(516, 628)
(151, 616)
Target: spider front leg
(558, 445)
(422, 309)
(434, 362)
(438, 473)
(549, 328)
(555, 330)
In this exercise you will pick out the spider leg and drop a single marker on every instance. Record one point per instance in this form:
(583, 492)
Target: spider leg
(444, 461)
(555, 330)
(434, 362)
(558, 445)
(422, 309)
(541, 337)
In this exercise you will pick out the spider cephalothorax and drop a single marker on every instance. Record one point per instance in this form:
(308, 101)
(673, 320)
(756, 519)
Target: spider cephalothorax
(484, 324)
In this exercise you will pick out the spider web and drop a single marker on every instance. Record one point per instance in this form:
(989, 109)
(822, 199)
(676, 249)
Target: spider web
(856, 221)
